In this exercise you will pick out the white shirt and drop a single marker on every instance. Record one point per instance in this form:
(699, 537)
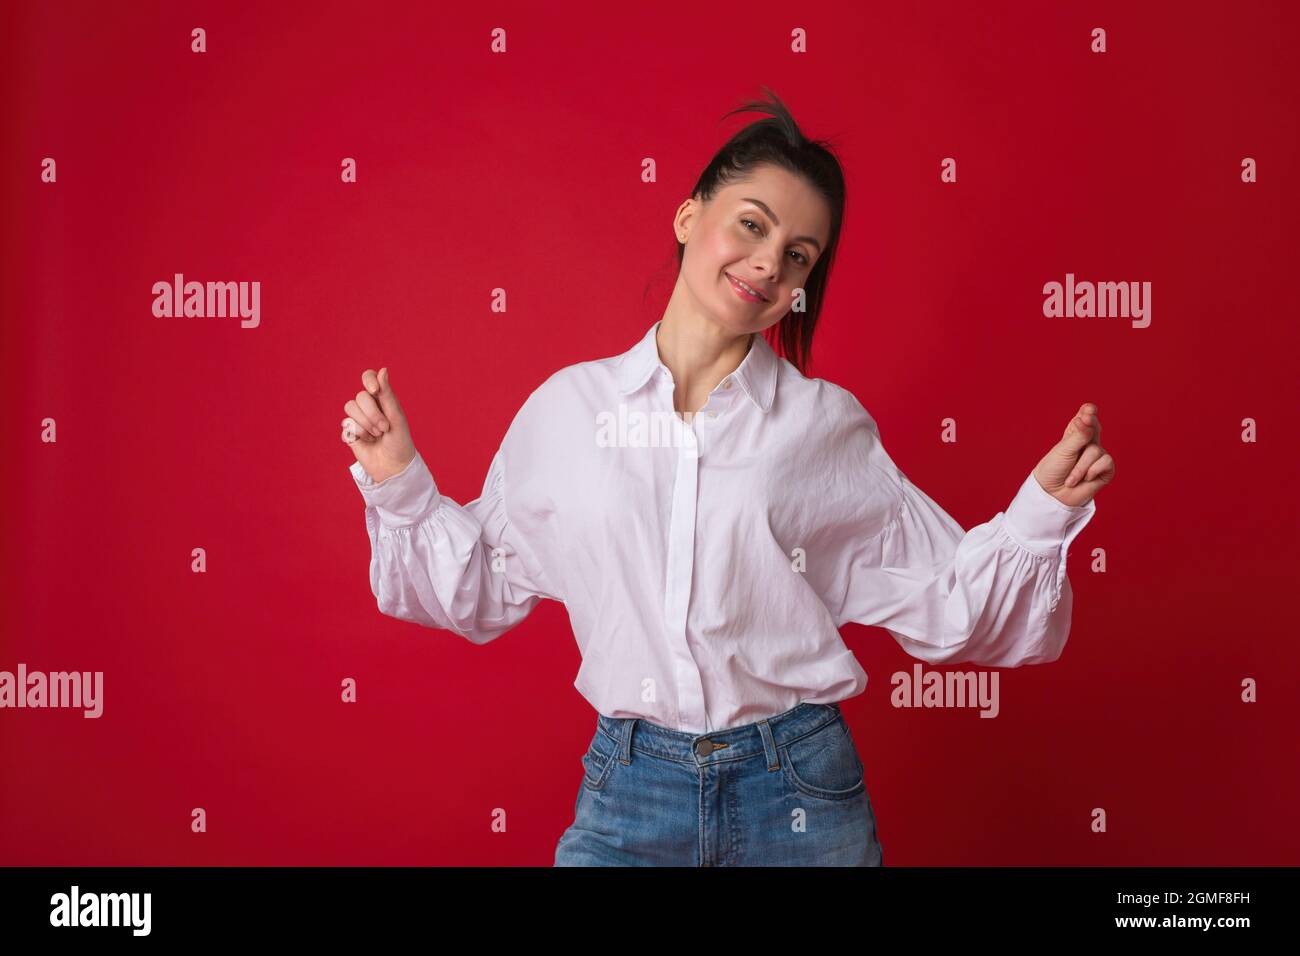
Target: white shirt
(708, 567)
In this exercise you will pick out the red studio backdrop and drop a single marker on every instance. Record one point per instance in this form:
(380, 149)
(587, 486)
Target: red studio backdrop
(1170, 159)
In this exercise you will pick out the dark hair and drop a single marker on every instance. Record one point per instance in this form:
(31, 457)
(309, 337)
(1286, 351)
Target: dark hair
(778, 141)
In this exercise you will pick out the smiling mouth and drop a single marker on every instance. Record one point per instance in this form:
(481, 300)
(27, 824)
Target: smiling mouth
(747, 288)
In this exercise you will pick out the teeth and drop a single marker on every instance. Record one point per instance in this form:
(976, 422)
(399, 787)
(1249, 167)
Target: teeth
(748, 289)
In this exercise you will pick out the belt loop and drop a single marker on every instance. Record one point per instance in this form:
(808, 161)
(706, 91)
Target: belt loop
(769, 745)
(625, 741)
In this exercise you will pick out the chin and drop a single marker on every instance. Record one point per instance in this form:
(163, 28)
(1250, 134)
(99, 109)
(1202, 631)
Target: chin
(736, 315)
(736, 324)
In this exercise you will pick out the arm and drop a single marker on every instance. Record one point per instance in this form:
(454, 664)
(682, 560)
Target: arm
(462, 568)
(996, 595)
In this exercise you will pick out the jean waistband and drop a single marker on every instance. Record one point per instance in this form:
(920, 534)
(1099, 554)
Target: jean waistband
(761, 737)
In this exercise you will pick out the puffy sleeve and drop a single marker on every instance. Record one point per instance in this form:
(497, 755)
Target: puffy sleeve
(462, 568)
(995, 595)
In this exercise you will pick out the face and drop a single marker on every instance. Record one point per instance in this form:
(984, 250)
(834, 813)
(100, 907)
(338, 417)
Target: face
(766, 232)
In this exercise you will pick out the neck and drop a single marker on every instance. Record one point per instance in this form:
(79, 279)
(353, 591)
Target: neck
(699, 353)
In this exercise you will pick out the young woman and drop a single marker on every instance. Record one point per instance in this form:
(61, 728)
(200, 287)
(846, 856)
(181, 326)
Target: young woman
(710, 517)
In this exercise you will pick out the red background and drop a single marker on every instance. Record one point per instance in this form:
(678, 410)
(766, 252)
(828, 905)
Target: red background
(222, 690)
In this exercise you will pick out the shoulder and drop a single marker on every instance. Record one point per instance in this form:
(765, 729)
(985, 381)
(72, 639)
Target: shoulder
(550, 414)
(574, 388)
(822, 401)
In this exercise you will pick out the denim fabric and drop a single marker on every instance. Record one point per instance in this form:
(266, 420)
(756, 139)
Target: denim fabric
(789, 790)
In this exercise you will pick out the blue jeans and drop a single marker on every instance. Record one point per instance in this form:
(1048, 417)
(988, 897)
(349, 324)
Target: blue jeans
(789, 790)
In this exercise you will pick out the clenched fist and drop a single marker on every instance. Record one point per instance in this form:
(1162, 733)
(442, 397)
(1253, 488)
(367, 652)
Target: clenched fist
(375, 428)
(1078, 467)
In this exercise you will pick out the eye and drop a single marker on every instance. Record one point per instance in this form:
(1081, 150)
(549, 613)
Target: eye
(799, 256)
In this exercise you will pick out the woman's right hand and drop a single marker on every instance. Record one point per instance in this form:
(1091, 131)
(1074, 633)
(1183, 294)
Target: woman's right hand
(376, 429)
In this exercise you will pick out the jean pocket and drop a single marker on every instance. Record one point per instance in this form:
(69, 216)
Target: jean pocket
(825, 764)
(598, 761)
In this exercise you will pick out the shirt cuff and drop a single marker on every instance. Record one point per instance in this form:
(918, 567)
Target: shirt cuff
(1042, 523)
(404, 499)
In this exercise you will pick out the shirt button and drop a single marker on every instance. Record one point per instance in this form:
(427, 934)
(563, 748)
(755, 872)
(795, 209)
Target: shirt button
(726, 383)
(713, 414)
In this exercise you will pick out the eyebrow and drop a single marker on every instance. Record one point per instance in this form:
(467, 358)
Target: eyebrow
(763, 206)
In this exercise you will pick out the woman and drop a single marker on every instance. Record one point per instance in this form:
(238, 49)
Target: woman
(710, 517)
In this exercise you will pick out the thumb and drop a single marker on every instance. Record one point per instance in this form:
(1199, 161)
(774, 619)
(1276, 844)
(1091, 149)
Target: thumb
(388, 403)
(1081, 431)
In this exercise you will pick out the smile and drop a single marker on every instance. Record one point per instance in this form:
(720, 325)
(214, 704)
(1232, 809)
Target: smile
(745, 291)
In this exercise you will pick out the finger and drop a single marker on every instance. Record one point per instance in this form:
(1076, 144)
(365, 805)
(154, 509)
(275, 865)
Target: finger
(1103, 468)
(1089, 413)
(353, 410)
(1080, 469)
(1082, 429)
(377, 385)
(1090, 488)
(352, 432)
(368, 405)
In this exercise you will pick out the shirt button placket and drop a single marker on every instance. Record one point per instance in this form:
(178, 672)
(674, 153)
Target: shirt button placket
(677, 592)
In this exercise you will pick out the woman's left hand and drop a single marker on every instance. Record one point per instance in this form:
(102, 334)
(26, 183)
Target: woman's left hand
(1078, 467)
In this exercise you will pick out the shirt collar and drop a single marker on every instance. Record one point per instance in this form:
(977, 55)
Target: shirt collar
(756, 374)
